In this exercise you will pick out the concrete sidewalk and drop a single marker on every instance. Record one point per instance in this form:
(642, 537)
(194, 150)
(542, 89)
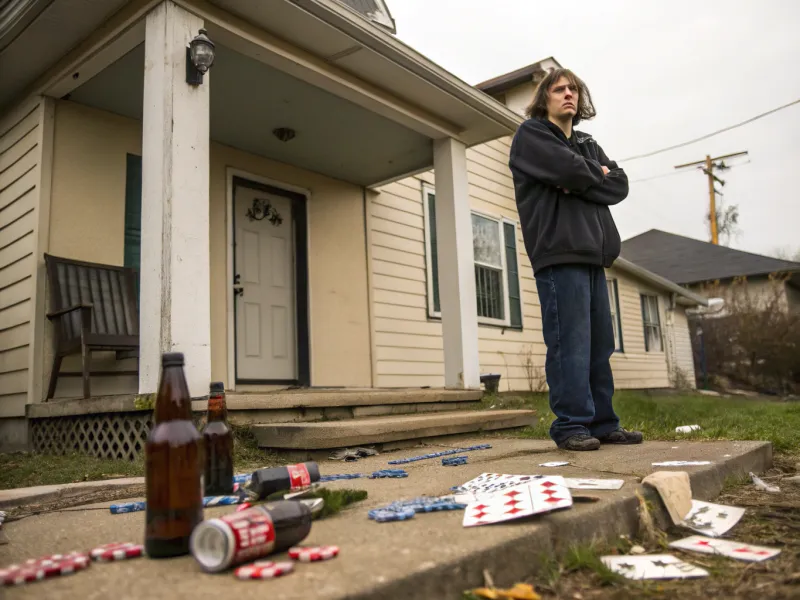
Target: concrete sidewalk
(430, 556)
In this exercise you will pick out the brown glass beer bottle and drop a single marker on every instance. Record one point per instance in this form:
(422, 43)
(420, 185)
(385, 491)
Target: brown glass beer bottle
(173, 466)
(218, 439)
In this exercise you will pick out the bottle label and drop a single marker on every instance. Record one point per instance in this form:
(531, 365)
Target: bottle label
(298, 476)
(253, 534)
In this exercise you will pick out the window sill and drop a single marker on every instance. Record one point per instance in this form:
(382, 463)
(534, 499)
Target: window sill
(438, 319)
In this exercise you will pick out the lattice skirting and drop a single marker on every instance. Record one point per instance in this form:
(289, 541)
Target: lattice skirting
(109, 435)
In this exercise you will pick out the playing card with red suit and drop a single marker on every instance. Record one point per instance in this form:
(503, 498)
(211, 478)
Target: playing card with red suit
(540, 495)
(729, 548)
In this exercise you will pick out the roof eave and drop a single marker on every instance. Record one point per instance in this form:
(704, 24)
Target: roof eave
(377, 39)
(686, 297)
(507, 81)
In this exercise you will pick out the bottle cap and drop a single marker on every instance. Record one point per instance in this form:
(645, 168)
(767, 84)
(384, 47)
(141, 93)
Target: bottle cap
(217, 387)
(172, 359)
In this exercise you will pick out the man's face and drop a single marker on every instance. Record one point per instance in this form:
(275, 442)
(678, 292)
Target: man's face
(562, 101)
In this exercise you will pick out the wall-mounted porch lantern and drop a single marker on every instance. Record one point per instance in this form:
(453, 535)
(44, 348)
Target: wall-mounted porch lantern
(199, 57)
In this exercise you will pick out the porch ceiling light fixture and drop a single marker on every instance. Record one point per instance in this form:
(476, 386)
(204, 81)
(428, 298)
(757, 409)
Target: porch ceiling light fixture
(200, 55)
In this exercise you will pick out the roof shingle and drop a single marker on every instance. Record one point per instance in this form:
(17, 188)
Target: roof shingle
(686, 260)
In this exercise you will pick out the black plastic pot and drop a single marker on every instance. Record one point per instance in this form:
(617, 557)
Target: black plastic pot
(491, 381)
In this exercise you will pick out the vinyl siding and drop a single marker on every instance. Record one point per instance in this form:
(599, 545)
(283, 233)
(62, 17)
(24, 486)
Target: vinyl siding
(635, 368)
(408, 344)
(20, 157)
(681, 349)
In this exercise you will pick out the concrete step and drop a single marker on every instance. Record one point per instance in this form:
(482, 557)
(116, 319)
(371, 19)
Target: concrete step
(386, 431)
(300, 406)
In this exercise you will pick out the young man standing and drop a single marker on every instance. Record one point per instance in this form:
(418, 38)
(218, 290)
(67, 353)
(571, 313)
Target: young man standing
(564, 185)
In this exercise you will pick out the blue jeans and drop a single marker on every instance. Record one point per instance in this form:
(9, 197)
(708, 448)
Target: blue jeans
(577, 328)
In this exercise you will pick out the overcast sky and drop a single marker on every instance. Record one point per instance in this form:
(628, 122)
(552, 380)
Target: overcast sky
(661, 72)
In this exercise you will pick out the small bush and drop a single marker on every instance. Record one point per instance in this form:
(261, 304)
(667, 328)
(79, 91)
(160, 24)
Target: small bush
(755, 340)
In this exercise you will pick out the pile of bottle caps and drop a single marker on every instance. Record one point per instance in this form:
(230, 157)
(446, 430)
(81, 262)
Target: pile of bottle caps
(402, 510)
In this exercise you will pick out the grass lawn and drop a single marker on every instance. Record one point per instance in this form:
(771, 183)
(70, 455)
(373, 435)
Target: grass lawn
(657, 416)
(30, 469)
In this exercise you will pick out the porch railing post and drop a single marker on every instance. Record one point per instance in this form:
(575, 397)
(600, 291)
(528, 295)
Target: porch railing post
(456, 265)
(175, 285)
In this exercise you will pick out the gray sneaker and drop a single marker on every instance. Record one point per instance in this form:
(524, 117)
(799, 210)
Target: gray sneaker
(580, 442)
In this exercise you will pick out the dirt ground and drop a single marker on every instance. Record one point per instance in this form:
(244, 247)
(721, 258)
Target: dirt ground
(771, 519)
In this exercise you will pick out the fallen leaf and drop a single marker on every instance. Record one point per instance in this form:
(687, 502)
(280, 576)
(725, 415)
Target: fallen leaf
(521, 591)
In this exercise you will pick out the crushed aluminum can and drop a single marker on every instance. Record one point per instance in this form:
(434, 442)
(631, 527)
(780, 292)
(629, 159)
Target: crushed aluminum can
(687, 428)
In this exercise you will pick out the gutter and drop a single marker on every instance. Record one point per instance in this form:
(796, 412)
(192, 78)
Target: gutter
(643, 273)
(338, 16)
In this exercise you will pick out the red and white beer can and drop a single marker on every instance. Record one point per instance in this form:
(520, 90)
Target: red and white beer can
(233, 539)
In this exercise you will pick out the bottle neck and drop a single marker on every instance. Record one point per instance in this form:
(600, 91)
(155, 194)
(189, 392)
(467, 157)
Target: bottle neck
(172, 401)
(217, 408)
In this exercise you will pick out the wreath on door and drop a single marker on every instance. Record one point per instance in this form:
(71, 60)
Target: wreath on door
(263, 209)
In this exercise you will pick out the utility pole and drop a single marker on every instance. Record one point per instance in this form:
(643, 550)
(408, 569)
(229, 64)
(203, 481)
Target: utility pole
(708, 165)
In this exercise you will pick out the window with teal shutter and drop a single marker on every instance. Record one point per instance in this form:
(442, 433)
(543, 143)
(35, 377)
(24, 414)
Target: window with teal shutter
(490, 277)
(133, 214)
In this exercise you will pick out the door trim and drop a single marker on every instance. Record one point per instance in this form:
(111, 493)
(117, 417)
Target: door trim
(299, 198)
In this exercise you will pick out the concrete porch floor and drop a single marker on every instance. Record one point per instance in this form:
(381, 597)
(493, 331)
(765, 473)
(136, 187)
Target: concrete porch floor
(430, 556)
(273, 400)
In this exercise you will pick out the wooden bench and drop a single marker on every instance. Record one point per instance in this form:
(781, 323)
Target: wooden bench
(93, 308)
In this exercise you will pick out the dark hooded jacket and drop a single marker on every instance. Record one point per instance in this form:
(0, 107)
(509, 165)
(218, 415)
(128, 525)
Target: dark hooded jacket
(563, 197)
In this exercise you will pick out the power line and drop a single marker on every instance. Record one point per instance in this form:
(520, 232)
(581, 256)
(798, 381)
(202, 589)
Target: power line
(659, 176)
(705, 137)
(671, 173)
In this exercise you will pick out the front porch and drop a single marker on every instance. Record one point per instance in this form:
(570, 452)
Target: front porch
(241, 203)
(303, 423)
(276, 164)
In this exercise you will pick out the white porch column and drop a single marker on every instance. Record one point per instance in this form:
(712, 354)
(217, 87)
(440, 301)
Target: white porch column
(456, 265)
(175, 305)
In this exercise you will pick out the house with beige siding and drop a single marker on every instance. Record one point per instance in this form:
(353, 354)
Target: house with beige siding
(323, 221)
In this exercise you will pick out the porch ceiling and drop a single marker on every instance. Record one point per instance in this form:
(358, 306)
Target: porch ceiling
(36, 33)
(250, 99)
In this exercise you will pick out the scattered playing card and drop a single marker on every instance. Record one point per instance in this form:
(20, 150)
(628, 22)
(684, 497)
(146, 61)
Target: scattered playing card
(729, 548)
(593, 484)
(554, 464)
(487, 484)
(682, 463)
(712, 519)
(544, 494)
(653, 566)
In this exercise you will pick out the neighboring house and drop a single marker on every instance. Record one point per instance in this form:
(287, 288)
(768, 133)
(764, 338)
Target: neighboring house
(708, 268)
(281, 221)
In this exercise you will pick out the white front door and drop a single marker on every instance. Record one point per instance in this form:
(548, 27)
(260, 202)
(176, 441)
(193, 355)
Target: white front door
(265, 287)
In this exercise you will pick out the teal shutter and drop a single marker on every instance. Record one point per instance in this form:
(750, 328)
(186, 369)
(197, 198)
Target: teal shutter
(434, 251)
(514, 297)
(133, 214)
(619, 317)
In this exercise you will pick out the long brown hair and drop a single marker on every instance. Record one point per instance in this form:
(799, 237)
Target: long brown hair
(538, 107)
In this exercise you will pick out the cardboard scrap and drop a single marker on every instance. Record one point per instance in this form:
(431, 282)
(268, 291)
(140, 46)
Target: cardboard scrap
(675, 490)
